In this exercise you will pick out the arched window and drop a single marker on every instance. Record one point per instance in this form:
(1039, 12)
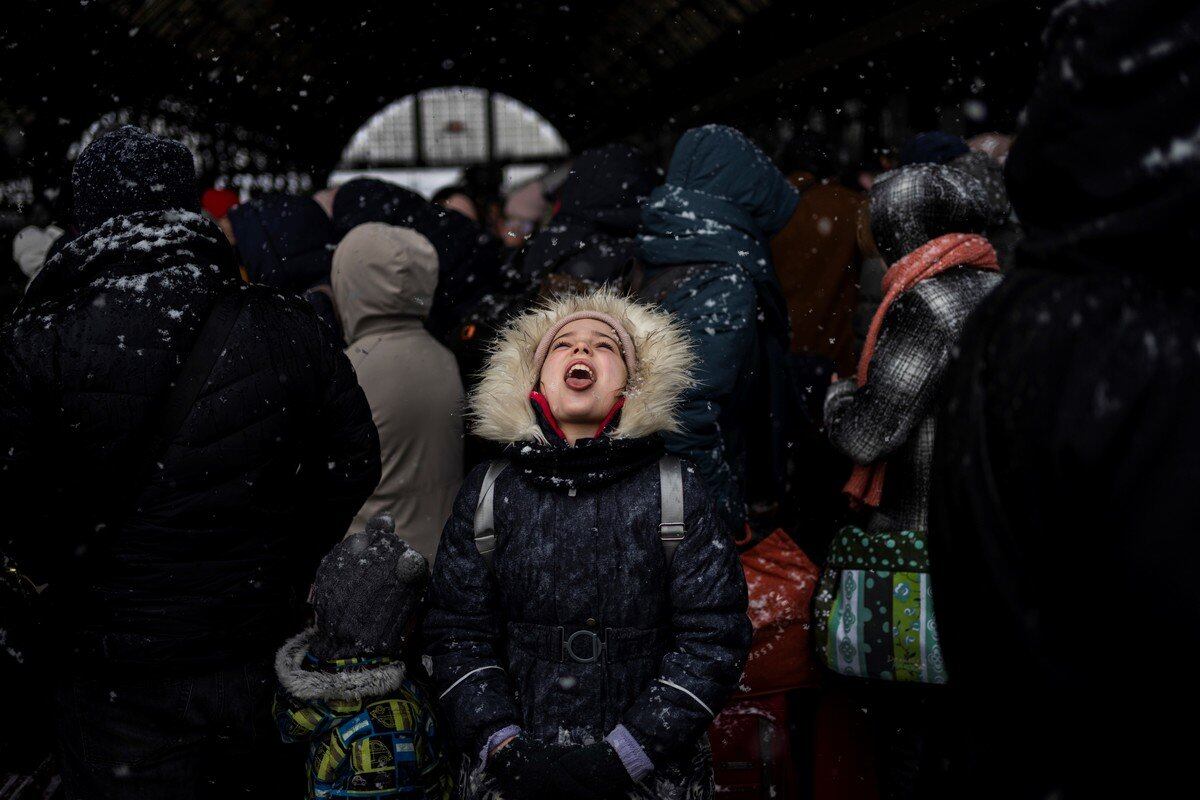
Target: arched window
(423, 141)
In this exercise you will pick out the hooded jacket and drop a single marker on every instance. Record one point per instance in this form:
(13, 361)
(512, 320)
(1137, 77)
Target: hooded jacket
(209, 566)
(384, 280)
(708, 262)
(1065, 506)
(585, 559)
(469, 260)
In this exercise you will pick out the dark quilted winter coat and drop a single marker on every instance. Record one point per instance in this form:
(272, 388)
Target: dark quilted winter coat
(264, 475)
(588, 559)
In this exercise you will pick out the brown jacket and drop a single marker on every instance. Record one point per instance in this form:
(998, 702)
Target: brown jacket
(817, 259)
(383, 282)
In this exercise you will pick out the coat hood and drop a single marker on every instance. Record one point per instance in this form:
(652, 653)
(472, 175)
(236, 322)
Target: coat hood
(383, 279)
(720, 162)
(911, 205)
(361, 683)
(499, 406)
(1105, 173)
(144, 253)
(722, 202)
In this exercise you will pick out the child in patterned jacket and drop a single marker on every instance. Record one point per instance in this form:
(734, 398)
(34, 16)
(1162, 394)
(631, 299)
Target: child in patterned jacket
(343, 683)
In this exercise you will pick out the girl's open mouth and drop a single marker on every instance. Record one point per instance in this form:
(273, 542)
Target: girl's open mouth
(580, 376)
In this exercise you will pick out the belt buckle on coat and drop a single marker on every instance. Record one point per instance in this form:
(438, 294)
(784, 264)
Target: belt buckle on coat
(568, 646)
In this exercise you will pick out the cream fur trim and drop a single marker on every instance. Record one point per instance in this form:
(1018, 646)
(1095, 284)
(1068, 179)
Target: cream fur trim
(500, 409)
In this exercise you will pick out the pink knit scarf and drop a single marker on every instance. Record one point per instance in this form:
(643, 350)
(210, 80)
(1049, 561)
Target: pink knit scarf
(932, 258)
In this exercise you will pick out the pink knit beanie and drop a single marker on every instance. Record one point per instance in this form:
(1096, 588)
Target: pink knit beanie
(627, 352)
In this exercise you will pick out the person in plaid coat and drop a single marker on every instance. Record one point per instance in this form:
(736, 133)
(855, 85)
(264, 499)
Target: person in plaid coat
(885, 414)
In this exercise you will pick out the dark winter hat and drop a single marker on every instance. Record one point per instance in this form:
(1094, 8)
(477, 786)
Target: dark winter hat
(130, 170)
(366, 591)
(932, 147)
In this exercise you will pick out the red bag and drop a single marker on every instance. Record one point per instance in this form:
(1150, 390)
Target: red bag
(781, 580)
(752, 750)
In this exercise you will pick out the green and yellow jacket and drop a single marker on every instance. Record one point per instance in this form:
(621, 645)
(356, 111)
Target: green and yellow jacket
(370, 730)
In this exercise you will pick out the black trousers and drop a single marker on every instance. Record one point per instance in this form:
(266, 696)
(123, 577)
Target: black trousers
(911, 740)
(200, 736)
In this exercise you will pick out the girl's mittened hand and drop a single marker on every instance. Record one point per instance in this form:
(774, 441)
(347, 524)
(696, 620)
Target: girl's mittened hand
(594, 772)
(527, 770)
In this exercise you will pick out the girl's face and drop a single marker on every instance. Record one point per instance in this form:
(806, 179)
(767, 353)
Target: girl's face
(584, 374)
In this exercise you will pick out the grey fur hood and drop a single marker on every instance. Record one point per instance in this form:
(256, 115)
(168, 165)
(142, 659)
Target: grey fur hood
(352, 684)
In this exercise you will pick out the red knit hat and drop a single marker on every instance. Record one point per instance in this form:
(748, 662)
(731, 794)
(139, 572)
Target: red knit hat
(217, 202)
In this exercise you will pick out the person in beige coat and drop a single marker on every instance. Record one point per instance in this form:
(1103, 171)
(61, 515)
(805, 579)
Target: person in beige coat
(383, 281)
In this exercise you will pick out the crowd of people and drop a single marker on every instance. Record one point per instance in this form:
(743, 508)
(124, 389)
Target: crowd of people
(368, 495)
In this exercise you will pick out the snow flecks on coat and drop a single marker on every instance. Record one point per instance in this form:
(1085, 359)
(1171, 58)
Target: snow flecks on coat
(242, 495)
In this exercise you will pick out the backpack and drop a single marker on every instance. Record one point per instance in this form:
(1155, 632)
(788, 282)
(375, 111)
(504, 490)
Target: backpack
(671, 529)
(780, 580)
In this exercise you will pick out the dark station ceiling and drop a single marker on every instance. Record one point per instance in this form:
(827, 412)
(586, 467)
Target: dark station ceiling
(305, 75)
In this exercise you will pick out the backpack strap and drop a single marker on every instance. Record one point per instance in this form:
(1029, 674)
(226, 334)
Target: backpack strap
(671, 530)
(485, 513)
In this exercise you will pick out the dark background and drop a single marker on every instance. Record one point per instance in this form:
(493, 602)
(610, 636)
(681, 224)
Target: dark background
(281, 86)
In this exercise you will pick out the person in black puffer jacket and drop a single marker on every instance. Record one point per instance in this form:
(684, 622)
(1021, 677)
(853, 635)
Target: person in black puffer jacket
(169, 600)
(579, 564)
(286, 241)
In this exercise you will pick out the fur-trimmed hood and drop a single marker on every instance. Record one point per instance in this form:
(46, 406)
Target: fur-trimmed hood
(363, 683)
(499, 406)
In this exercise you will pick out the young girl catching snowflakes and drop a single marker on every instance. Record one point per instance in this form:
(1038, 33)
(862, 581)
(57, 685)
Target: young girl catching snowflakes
(588, 611)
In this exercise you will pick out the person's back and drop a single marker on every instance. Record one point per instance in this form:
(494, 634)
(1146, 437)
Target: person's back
(928, 220)
(1065, 510)
(194, 566)
(383, 281)
(286, 242)
(592, 235)
(706, 260)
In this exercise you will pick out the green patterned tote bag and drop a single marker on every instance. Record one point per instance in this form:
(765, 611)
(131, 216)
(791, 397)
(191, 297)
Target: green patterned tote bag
(874, 608)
